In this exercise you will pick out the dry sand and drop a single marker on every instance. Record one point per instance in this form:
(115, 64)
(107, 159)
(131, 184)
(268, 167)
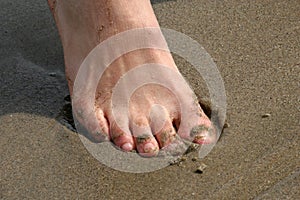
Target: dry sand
(256, 47)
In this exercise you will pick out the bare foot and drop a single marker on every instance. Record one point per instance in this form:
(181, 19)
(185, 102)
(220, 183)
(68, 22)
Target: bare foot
(85, 24)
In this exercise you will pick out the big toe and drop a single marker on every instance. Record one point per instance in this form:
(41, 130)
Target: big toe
(204, 132)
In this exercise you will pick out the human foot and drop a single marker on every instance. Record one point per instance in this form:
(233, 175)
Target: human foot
(154, 112)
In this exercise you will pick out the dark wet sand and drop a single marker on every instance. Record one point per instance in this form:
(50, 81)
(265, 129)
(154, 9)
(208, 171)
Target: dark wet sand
(256, 47)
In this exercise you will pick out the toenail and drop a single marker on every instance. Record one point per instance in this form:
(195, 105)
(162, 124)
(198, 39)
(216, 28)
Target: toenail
(205, 137)
(201, 138)
(202, 134)
(149, 147)
(199, 130)
(143, 138)
(127, 147)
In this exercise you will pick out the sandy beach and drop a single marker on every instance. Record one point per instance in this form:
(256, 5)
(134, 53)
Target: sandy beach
(256, 46)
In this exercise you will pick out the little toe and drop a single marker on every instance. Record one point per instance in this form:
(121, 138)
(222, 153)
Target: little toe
(90, 123)
(102, 122)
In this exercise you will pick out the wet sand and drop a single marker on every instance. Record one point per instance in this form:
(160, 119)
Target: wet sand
(256, 48)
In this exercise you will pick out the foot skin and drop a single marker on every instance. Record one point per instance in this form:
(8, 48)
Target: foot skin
(85, 24)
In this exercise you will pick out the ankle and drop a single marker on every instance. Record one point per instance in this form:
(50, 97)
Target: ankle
(126, 15)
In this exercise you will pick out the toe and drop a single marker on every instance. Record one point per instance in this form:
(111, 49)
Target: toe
(204, 132)
(170, 143)
(146, 143)
(90, 123)
(102, 121)
(161, 125)
(198, 129)
(165, 135)
(121, 137)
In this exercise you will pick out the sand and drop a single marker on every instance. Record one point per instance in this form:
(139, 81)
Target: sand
(256, 47)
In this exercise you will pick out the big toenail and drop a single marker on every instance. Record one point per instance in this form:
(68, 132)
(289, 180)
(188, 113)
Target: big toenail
(205, 137)
(127, 147)
(198, 130)
(201, 138)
